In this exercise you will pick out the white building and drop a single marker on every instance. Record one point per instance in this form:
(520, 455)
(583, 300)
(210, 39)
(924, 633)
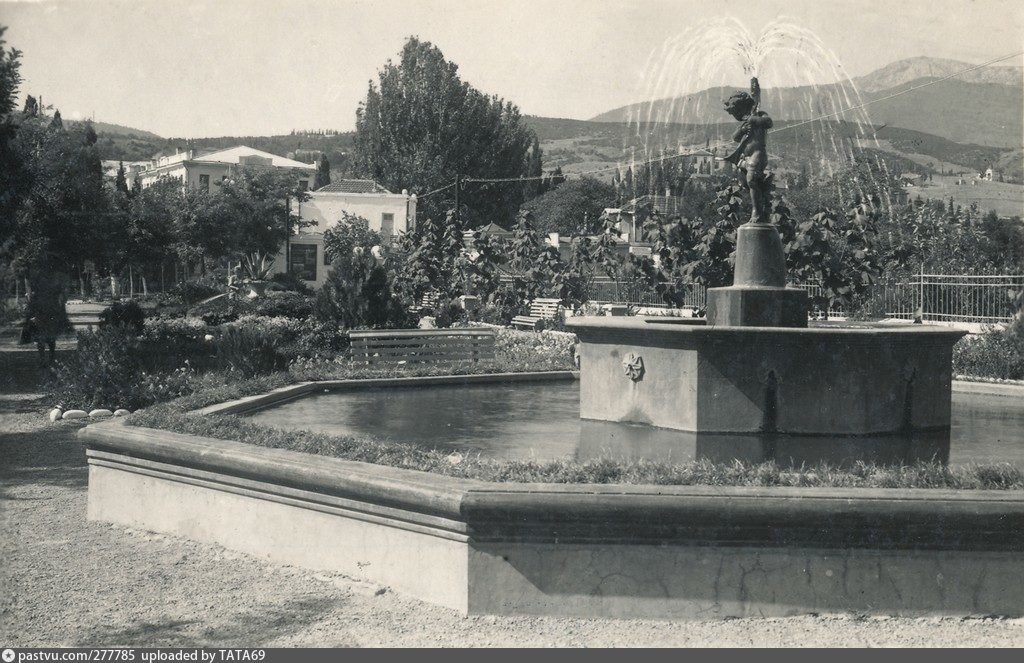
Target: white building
(388, 213)
(207, 171)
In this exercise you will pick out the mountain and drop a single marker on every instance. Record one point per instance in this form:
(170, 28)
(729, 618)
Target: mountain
(985, 109)
(902, 72)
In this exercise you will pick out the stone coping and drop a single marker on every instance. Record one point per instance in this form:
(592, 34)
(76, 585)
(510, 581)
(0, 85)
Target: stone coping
(655, 324)
(990, 389)
(820, 518)
(292, 391)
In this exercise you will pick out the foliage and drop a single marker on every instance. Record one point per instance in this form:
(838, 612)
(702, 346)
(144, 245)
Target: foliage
(359, 292)
(255, 212)
(104, 372)
(248, 349)
(291, 283)
(421, 125)
(352, 232)
(323, 173)
(127, 314)
(192, 292)
(574, 208)
(998, 353)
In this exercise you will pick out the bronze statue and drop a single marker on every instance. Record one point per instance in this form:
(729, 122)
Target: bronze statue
(751, 156)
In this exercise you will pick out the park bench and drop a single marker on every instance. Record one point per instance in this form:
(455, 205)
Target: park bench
(422, 346)
(540, 311)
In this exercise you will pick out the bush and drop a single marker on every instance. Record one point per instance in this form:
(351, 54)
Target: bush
(291, 283)
(281, 304)
(104, 372)
(516, 350)
(168, 343)
(127, 314)
(249, 349)
(359, 293)
(191, 292)
(998, 353)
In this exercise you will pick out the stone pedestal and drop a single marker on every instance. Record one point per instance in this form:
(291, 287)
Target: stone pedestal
(752, 384)
(759, 296)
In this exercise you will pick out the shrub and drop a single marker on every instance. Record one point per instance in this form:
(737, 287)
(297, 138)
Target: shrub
(191, 292)
(248, 349)
(998, 353)
(281, 304)
(359, 293)
(103, 372)
(127, 314)
(291, 283)
(168, 343)
(534, 351)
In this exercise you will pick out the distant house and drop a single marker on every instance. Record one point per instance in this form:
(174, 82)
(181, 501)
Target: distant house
(912, 179)
(207, 171)
(630, 227)
(490, 230)
(388, 213)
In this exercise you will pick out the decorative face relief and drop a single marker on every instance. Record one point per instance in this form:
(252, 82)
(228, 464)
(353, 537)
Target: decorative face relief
(633, 366)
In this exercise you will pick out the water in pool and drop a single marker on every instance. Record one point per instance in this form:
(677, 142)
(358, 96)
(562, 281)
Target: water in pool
(541, 421)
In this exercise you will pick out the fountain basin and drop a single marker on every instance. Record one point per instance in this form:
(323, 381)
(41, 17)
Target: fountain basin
(564, 549)
(819, 382)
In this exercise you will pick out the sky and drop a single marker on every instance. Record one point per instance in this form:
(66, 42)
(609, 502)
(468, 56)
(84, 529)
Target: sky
(194, 68)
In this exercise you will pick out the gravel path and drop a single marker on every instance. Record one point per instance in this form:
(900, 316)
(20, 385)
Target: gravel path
(65, 581)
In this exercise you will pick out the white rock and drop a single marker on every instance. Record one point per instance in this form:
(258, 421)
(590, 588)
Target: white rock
(55, 413)
(121, 412)
(100, 413)
(75, 414)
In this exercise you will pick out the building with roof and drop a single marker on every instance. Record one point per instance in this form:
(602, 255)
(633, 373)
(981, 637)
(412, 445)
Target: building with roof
(207, 171)
(390, 214)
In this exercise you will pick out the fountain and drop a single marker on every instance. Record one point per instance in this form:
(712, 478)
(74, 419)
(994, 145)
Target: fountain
(756, 375)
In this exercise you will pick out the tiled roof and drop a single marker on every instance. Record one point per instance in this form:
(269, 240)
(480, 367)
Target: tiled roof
(353, 186)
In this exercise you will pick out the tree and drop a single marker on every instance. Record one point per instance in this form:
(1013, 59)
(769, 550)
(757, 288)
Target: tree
(351, 233)
(573, 208)
(359, 292)
(323, 173)
(256, 219)
(421, 125)
(121, 182)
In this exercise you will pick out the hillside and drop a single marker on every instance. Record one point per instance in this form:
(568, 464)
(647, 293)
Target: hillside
(984, 107)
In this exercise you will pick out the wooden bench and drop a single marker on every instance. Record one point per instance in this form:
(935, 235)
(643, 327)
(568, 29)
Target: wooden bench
(540, 310)
(422, 346)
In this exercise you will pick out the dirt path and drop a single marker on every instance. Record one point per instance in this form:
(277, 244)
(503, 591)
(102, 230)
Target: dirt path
(67, 581)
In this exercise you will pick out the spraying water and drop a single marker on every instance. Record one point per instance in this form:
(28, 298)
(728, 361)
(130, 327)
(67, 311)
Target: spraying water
(687, 78)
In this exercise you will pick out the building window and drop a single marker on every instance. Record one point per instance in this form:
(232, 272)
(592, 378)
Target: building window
(204, 183)
(387, 224)
(303, 261)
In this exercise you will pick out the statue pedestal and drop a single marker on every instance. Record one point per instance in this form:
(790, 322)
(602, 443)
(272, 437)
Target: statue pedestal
(744, 306)
(759, 296)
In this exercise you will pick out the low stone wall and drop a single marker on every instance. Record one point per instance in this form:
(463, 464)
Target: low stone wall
(586, 550)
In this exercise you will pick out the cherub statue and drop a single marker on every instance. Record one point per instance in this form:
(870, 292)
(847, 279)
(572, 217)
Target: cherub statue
(751, 156)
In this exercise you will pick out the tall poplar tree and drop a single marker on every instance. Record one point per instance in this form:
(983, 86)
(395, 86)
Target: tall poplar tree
(421, 125)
